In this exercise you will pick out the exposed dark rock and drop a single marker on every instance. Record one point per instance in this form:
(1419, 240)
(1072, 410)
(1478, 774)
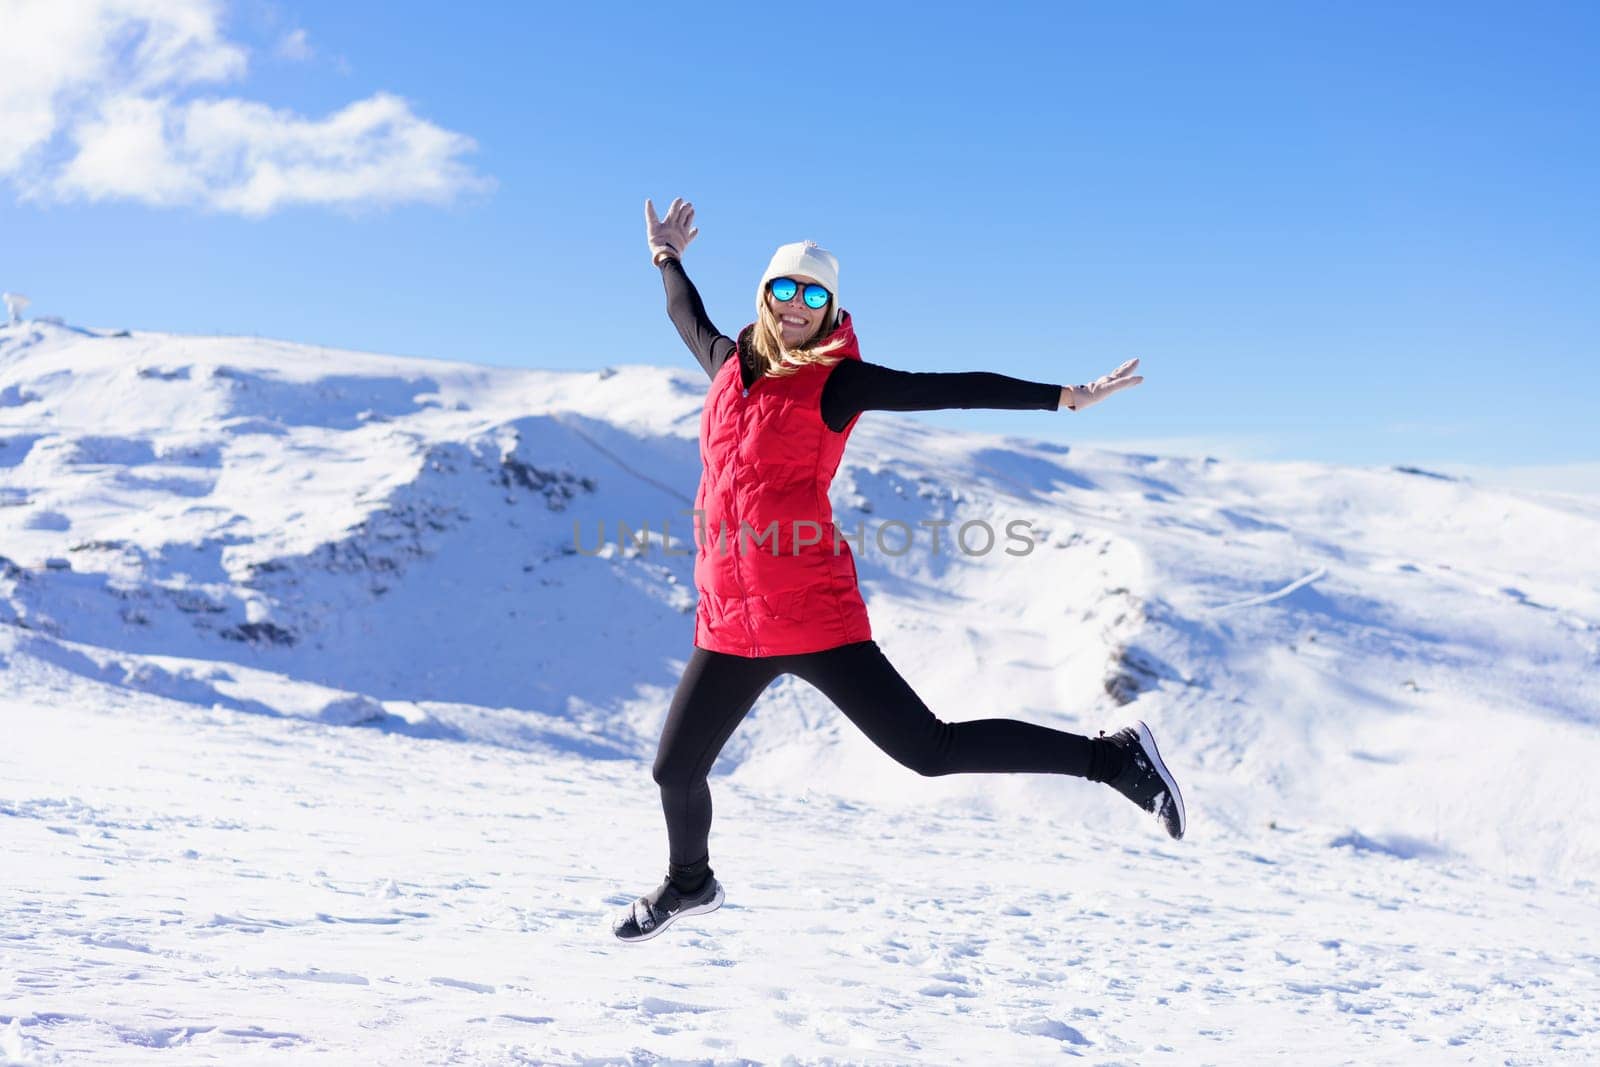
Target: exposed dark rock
(557, 487)
(195, 603)
(257, 632)
(1134, 671)
(97, 546)
(1427, 474)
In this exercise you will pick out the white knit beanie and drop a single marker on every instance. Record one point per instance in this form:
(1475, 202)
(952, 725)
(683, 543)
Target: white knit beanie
(805, 257)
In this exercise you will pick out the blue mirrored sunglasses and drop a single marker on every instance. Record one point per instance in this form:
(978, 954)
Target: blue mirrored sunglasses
(783, 289)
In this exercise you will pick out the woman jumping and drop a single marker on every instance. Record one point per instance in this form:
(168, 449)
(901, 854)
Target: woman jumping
(783, 400)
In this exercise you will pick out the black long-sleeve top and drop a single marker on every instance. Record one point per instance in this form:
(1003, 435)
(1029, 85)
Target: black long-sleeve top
(854, 385)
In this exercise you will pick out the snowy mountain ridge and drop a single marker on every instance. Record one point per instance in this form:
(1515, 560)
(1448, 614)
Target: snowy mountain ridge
(411, 543)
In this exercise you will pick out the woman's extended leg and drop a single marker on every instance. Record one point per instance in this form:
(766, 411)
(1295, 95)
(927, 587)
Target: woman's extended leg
(866, 687)
(715, 693)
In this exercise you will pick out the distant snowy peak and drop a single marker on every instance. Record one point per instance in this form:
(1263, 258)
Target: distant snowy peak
(254, 378)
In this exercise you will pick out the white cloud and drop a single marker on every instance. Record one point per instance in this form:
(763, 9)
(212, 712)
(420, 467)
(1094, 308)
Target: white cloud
(93, 97)
(60, 58)
(295, 46)
(241, 156)
(123, 152)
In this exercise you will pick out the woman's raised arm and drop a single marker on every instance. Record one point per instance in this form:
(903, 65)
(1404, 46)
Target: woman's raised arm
(711, 347)
(668, 237)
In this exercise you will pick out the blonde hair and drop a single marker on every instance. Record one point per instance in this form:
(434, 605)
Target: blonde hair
(776, 361)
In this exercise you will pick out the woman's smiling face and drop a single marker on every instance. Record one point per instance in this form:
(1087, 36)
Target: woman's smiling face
(797, 321)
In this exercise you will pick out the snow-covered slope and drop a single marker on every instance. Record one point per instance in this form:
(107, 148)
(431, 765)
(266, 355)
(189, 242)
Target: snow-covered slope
(1379, 665)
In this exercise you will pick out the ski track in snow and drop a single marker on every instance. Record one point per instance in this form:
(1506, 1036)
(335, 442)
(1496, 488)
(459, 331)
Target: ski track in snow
(1276, 594)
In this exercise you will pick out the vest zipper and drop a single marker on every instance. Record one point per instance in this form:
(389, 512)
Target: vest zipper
(747, 388)
(744, 599)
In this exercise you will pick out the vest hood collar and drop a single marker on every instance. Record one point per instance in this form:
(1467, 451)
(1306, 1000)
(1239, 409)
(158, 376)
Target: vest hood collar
(846, 331)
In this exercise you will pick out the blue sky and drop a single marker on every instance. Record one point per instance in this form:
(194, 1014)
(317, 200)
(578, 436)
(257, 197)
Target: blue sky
(1351, 233)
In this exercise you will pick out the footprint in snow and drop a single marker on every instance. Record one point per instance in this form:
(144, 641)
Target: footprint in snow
(457, 983)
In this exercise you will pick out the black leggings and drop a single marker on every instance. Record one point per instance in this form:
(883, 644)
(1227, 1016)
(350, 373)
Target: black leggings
(718, 689)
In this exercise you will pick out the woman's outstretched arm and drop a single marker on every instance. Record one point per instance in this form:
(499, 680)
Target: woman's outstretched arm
(854, 386)
(710, 346)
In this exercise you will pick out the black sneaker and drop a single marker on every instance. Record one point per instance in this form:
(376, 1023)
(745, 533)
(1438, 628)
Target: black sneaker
(1145, 780)
(655, 911)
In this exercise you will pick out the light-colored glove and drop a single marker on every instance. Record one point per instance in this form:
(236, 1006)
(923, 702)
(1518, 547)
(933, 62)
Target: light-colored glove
(1078, 397)
(669, 236)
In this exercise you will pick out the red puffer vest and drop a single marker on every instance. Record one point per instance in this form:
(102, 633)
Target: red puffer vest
(767, 461)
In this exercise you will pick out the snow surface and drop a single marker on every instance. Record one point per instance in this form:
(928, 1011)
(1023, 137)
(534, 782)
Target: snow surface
(321, 741)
